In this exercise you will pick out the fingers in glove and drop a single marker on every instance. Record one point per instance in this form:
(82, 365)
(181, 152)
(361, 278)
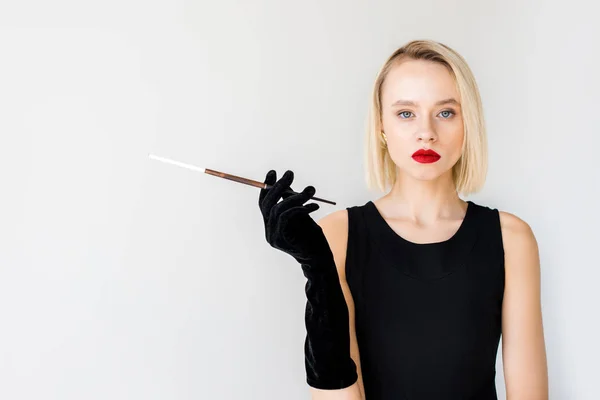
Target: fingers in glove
(290, 213)
(276, 191)
(294, 200)
(270, 179)
(312, 207)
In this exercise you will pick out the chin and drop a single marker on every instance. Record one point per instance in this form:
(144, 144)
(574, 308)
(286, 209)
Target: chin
(430, 173)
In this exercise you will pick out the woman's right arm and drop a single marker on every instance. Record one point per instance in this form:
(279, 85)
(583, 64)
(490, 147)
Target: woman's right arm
(335, 229)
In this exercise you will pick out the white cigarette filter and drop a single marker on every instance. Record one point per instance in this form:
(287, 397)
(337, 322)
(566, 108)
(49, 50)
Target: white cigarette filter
(179, 164)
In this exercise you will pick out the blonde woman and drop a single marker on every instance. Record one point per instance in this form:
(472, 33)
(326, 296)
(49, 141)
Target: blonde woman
(409, 294)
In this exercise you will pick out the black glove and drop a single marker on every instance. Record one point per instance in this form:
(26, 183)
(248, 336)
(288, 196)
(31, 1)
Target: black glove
(290, 228)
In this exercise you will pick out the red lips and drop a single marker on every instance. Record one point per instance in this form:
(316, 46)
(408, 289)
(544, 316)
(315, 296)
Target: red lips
(425, 156)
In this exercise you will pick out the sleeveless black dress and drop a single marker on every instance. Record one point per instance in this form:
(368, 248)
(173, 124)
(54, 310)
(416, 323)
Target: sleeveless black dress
(427, 316)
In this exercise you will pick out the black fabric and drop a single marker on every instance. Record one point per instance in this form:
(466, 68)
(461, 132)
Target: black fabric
(290, 228)
(427, 316)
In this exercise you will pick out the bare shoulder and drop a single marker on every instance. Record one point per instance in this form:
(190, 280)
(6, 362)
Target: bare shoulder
(515, 229)
(335, 229)
(337, 220)
(518, 238)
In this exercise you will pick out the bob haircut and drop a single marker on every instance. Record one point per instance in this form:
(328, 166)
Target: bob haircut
(470, 170)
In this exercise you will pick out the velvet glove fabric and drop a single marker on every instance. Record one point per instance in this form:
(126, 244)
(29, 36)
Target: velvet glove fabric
(290, 228)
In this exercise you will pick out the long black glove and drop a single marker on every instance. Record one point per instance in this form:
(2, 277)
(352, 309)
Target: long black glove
(290, 228)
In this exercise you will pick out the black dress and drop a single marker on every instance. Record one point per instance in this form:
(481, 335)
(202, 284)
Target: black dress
(427, 316)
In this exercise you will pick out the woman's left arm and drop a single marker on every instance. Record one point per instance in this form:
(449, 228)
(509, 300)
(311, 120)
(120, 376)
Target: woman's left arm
(523, 347)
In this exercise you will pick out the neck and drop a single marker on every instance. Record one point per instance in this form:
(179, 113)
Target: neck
(424, 200)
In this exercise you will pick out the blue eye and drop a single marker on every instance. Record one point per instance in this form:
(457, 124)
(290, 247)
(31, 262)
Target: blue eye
(448, 111)
(403, 112)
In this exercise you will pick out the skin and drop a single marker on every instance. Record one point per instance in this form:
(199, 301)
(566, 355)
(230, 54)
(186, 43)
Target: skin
(423, 206)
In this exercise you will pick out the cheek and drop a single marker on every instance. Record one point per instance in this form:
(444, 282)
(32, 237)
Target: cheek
(400, 150)
(460, 138)
(454, 147)
(451, 135)
(387, 125)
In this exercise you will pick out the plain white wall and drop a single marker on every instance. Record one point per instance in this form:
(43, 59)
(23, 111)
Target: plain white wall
(125, 278)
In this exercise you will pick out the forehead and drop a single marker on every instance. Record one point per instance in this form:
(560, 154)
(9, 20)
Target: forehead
(423, 82)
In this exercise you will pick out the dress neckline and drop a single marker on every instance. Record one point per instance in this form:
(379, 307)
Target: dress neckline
(399, 238)
(424, 261)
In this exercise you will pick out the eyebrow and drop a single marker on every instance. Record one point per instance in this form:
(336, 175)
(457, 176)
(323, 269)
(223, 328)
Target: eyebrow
(412, 103)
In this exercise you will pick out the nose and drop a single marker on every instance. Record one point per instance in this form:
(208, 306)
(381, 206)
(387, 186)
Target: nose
(426, 138)
(426, 131)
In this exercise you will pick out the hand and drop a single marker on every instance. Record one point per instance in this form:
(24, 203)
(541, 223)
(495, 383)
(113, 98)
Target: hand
(288, 225)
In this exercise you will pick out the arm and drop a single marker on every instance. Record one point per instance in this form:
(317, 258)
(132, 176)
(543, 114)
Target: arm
(335, 228)
(523, 348)
(290, 228)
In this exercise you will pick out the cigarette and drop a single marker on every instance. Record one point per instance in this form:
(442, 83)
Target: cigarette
(230, 177)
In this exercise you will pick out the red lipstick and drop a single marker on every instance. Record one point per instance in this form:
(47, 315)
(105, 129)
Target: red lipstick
(425, 156)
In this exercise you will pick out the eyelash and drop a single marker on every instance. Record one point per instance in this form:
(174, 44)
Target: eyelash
(450, 111)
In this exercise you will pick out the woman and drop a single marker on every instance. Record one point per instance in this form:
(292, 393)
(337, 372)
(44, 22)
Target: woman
(408, 295)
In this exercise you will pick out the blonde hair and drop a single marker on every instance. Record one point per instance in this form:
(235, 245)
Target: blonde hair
(470, 170)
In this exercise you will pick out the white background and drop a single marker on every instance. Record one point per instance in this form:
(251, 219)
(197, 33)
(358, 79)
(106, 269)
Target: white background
(126, 278)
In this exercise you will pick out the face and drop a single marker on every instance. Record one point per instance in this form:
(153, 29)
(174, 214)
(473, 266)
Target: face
(421, 110)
